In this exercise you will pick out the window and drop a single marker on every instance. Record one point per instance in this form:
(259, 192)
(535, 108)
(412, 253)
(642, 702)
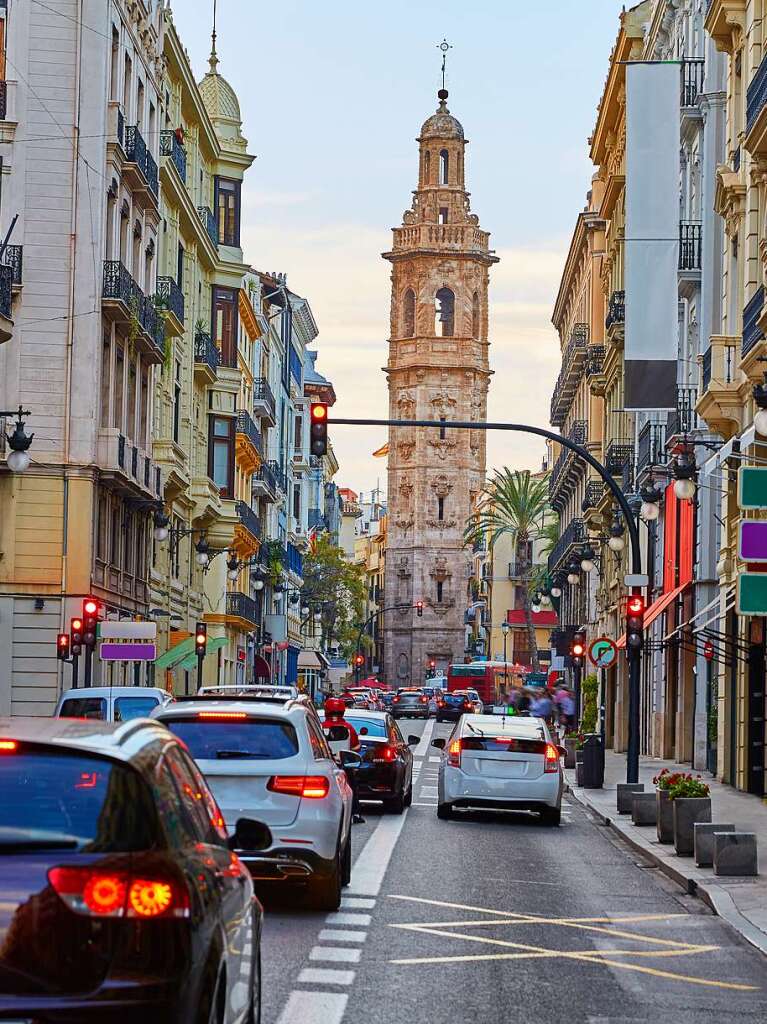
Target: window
(255, 739)
(177, 402)
(408, 314)
(141, 550)
(440, 508)
(297, 502)
(224, 328)
(143, 408)
(180, 266)
(114, 64)
(128, 543)
(443, 215)
(298, 434)
(140, 105)
(221, 454)
(101, 528)
(427, 167)
(114, 537)
(440, 585)
(444, 313)
(131, 409)
(227, 199)
(127, 82)
(444, 166)
(106, 378)
(119, 386)
(475, 315)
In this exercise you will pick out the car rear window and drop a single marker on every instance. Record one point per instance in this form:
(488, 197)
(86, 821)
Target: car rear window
(455, 698)
(368, 726)
(127, 708)
(252, 739)
(84, 707)
(77, 802)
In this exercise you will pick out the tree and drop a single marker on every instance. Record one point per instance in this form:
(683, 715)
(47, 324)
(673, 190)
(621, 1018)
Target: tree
(338, 588)
(514, 503)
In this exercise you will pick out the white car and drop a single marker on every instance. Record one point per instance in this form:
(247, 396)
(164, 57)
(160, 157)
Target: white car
(270, 761)
(250, 690)
(509, 763)
(111, 703)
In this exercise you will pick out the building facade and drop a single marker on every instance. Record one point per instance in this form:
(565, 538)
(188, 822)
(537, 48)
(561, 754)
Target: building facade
(438, 368)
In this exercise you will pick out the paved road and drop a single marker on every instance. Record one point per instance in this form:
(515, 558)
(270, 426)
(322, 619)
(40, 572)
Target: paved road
(499, 918)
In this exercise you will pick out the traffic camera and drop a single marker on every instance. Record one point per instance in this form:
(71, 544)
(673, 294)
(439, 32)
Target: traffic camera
(318, 430)
(635, 608)
(76, 636)
(200, 639)
(62, 646)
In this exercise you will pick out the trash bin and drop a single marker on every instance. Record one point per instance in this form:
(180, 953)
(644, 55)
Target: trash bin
(593, 761)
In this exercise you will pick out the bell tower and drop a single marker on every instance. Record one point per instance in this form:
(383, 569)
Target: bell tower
(438, 368)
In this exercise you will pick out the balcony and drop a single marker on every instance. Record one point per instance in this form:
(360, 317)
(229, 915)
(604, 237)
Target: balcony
(690, 245)
(172, 148)
(568, 467)
(280, 476)
(206, 357)
(595, 489)
(651, 447)
(248, 519)
(6, 302)
(208, 222)
(595, 360)
(249, 446)
(460, 237)
(295, 561)
(693, 71)
(125, 303)
(573, 534)
(3, 100)
(573, 360)
(127, 466)
(136, 152)
(752, 330)
(240, 606)
(756, 112)
(725, 21)
(13, 257)
(720, 405)
(616, 310)
(171, 305)
(264, 482)
(682, 420)
(264, 405)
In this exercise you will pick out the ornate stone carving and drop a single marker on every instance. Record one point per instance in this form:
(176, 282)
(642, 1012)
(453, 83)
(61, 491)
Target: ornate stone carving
(443, 446)
(441, 485)
(442, 524)
(442, 404)
(406, 405)
(405, 450)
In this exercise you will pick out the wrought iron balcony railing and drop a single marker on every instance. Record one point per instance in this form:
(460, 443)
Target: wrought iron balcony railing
(246, 426)
(171, 296)
(756, 95)
(266, 475)
(170, 146)
(620, 450)
(136, 152)
(690, 245)
(682, 419)
(573, 359)
(574, 533)
(594, 491)
(280, 476)
(248, 518)
(693, 71)
(752, 333)
(6, 291)
(3, 100)
(263, 394)
(242, 606)
(595, 357)
(651, 446)
(13, 257)
(206, 350)
(616, 309)
(208, 222)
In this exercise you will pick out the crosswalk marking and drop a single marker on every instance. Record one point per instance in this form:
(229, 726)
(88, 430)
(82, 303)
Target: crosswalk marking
(325, 976)
(314, 1008)
(338, 954)
(341, 935)
(341, 917)
(357, 903)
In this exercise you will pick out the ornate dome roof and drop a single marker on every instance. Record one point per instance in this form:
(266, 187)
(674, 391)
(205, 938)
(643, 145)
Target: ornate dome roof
(442, 125)
(218, 96)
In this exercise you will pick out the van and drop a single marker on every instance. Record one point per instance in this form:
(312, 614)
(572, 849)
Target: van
(111, 703)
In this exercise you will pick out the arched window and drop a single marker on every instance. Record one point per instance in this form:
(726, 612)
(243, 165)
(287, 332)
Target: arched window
(475, 315)
(408, 314)
(426, 167)
(444, 165)
(444, 313)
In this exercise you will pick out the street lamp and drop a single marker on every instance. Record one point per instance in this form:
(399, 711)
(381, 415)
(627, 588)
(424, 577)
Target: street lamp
(202, 552)
(588, 556)
(505, 629)
(233, 567)
(616, 541)
(19, 442)
(683, 469)
(161, 524)
(573, 574)
(760, 397)
(651, 497)
(556, 589)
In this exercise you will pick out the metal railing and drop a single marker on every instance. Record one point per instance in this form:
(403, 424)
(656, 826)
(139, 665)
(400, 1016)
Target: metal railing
(205, 350)
(752, 333)
(719, 363)
(170, 146)
(682, 419)
(265, 474)
(246, 426)
(3, 100)
(573, 358)
(616, 309)
(574, 533)
(242, 606)
(208, 222)
(171, 296)
(756, 95)
(690, 245)
(736, 160)
(651, 446)
(248, 518)
(136, 152)
(595, 357)
(6, 291)
(594, 491)
(280, 476)
(14, 257)
(118, 284)
(693, 72)
(263, 393)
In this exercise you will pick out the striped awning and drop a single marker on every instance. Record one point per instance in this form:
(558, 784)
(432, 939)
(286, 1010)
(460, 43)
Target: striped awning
(175, 654)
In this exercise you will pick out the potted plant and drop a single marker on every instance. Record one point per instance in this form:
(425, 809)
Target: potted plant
(663, 782)
(571, 746)
(691, 802)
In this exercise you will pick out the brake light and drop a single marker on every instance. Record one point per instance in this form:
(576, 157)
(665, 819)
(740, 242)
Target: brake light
(396, 700)
(385, 754)
(454, 754)
(8, 746)
(222, 715)
(118, 894)
(313, 787)
(424, 700)
(551, 758)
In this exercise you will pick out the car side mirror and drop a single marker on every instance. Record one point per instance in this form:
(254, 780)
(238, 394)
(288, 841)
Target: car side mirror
(438, 743)
(349, 759)
(413, 741)
(250, 834)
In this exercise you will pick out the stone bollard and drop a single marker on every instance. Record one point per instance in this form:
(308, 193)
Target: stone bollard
(626, 792)
(644, 808)
(735, 853)
(703, 841)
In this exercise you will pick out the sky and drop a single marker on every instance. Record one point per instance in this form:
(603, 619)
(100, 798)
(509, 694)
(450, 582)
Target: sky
(333, 95)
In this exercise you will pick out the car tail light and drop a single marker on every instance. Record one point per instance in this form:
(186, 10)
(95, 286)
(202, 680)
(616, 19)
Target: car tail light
(118, 894)
(222, 715)
(8, 746)
(424, 700)
(454, 754)
(313, 787)
(395, 700)
(385, 754)
(551, 758)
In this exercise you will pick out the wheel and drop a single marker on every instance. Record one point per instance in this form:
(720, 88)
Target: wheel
(254, 1010)
(395, 804)
(325, 890)
(346, 861)
(551, 815)
(409, 796)
(444, 811)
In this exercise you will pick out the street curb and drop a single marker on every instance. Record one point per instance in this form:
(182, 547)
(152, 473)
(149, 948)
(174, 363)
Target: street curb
(714, 896)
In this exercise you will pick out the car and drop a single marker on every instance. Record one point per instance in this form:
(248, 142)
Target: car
(450, 706)
(286, 692)
(477, 706)
(386, 771)
(500, 763)
(111, 703)
(387, 698)
(269, 760)
(410, 703)
(120, 896)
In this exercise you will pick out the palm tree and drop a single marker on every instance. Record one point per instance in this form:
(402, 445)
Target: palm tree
(514, 503)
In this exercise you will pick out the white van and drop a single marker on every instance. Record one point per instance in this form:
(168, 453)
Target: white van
(111, 703)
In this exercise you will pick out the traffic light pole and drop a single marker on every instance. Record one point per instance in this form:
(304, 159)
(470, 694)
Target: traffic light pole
(75, 670)
(88, 666)
(364, 626)
(200, 660)
(636, 581)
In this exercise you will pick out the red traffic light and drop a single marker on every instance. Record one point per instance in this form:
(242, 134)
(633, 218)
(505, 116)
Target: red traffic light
(201, 638)
(90, 606)
(359, 659)
(432, 664)
(635, 605)
(63, 640)
(578, 650)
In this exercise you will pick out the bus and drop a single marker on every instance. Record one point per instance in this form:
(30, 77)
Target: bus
(489, 678)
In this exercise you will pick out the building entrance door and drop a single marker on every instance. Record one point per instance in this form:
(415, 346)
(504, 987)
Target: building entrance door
(755, 709)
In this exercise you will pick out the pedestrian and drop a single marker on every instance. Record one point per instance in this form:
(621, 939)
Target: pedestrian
(341, 735)
(523, 701)
(567, 711)
(542, 706)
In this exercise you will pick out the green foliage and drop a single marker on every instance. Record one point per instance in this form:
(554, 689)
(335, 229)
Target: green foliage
(272, 554)
(589, 689)
(687, 786)
(339, 587)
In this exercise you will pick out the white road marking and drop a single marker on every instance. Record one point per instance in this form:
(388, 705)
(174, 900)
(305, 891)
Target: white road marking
(428, 791)
(336, 953)
(342, 918)
(423, 746)
(370, 867)
(418, 804)
(314, 1008)
(341, 935)
(357, 903)
(435, 760)
(325, 976)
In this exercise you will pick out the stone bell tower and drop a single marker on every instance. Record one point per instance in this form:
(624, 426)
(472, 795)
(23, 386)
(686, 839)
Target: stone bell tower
(438, 368)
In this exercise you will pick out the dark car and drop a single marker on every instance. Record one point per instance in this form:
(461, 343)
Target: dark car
(120, 899)
(410, 704)
(387, 698)
(386, 772)
(450, 706)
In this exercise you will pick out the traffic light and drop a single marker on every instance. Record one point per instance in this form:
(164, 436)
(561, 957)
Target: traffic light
(90, 621)
(578, 649)
(419, 608)
(318, 431)
(359, 659)
(634, 623)
(76, 635)
(62, 646)
(200, 639)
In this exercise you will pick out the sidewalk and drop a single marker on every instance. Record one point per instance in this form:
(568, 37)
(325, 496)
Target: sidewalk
(742, 902)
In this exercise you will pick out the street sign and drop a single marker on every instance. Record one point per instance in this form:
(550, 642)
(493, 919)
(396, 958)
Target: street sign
(127, 630)
(128, 651)
(752, 540)
(752, 487)
(602, 652)
(751, 594)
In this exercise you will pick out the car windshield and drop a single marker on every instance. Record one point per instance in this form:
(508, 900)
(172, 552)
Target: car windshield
(84, 707)
(252, 739)
(58, 800)
(368, 726)
(127, 708)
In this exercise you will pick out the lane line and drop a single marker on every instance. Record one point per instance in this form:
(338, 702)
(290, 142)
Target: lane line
(341, 935)
(432, 804)
(429, 790)
(341, 917)
(338, 954)
(357, 903)
(314, 1008)
(435, 760)
(423, 746)
(370, 867)
(325, 976)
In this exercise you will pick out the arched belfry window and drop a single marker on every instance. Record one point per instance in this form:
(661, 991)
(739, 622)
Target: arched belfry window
(444, 166)
(444, 313)
(408, 314)
(426, 167)
(475, 315)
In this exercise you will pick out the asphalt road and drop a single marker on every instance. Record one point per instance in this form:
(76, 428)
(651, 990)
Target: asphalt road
(499, 918)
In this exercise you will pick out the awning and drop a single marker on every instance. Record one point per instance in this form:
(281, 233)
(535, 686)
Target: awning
(190, 663)
(261, 667)
(656, 608)
(516, 617)
(309, 659)
(175, 654)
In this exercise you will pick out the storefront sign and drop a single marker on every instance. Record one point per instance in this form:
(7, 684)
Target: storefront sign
(752, 540)
(752, 487)
(752, 594)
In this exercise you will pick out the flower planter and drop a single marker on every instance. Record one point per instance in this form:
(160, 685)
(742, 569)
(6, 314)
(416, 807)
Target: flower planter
(665, 822)
(570, 755)
(686, 811)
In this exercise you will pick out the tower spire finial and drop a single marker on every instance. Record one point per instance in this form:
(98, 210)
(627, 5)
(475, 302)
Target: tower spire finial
(444, 46)
(213, 59)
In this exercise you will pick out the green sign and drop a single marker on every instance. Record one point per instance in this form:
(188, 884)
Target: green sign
(752, 487)
(752, 594)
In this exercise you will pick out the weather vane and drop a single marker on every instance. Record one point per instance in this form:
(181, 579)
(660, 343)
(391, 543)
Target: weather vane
(444, 46)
